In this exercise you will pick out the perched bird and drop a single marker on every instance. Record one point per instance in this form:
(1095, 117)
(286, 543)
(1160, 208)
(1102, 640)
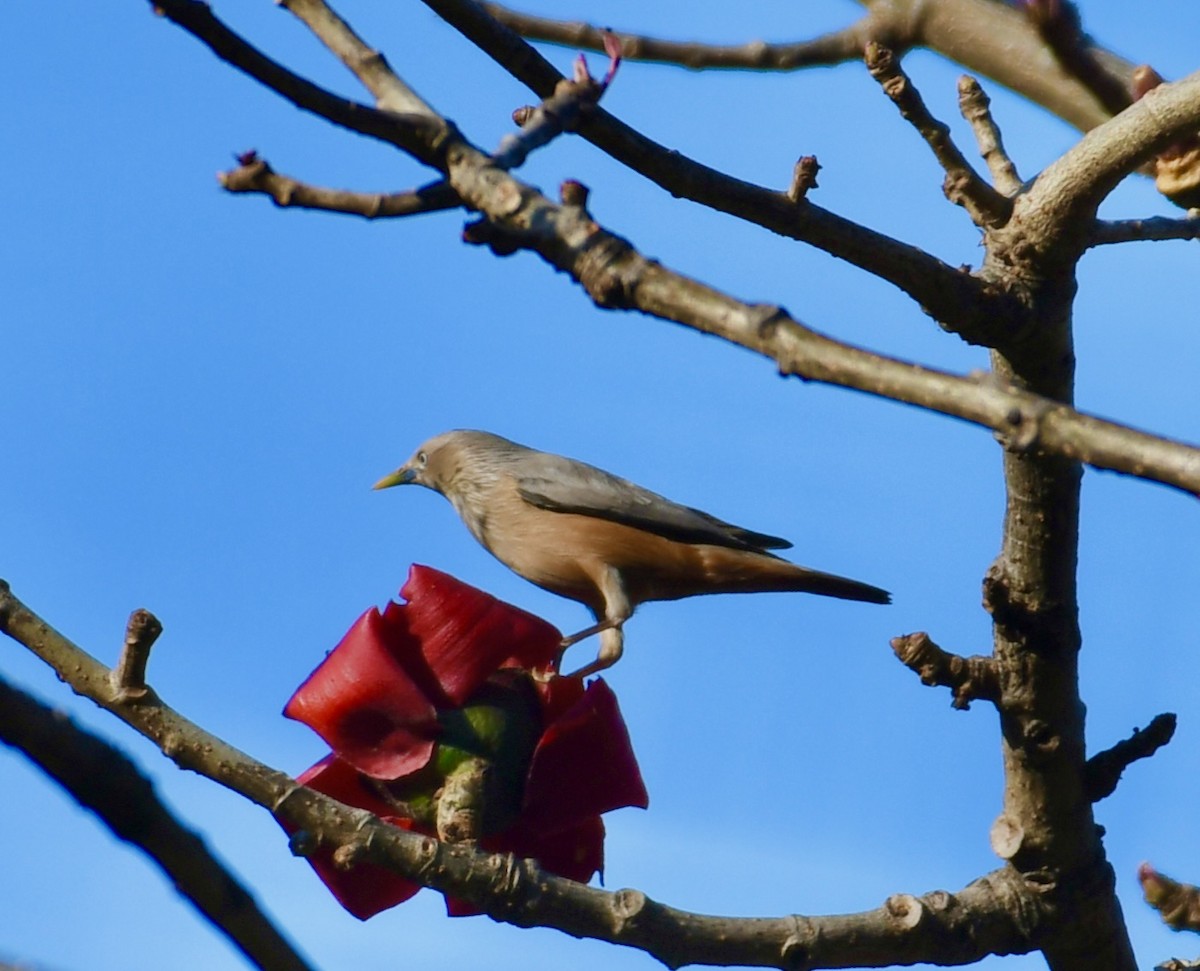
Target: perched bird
(577, 531)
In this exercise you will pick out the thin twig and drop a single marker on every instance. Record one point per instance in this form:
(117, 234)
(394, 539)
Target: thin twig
(104, 780)
(832, 48)
(562, 111)
(255, 175)
(962, 185)
(1104, 770)
(996, 914)
(975, 106)
(1134, 230)
(140, 634)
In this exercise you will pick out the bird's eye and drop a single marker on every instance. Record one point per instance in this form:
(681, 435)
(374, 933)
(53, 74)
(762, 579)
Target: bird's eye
(422, 458)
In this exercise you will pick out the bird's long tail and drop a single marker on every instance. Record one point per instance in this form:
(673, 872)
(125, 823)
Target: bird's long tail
(739, 571)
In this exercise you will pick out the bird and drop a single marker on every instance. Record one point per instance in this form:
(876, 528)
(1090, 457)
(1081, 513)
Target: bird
(590, 536)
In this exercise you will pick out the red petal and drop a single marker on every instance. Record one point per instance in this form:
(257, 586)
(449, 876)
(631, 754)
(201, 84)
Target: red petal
(583, 766)
(465, 634)
(365, 704)
(575, 852)
(365, 889)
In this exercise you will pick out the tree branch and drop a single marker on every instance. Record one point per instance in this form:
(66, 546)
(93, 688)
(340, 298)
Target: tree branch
(1058, 23)
(1104, 769)
(956, 299)
(102, 779)
(256, 176)
(1061, 204)
(365, 63)
(997, 914)
(975, 107)
(1134, 230)
(616, 276)
(962, 185)
(410, 132)
(832, 48)
(969, 678)
(141, 632)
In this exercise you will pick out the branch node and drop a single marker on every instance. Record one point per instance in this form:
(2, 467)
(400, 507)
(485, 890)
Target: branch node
(129, 676)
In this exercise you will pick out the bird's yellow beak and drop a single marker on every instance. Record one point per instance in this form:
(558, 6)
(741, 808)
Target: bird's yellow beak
(402, 476)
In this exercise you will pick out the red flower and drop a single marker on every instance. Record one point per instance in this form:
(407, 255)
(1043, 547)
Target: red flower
(436, 726)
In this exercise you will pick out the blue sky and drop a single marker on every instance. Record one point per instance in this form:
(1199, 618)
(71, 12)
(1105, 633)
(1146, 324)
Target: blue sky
(199, 390)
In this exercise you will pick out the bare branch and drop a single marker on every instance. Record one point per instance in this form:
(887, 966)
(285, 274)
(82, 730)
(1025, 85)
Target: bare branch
(1135, 230)
(571, 102)
(997, 40)
(1059, 25)
(1104, 770)
(957, 300)
(616, 276)
(102, 779)
(1061, 203)
(410, 132)
(962, 184)
(367, 64)
(969, 678)
(997, 914)
(832, 48)
(975, 106)
(257, 176)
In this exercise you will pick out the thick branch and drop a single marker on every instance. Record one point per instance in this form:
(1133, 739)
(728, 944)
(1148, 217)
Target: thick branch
(102, 779)
(833, 48)
(1104, 770)
(997, 40)
(1057, 21)
(998, 914)
(1059, 209)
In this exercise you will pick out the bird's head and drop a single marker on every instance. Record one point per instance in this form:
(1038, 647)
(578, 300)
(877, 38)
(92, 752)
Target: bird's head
(439, 463)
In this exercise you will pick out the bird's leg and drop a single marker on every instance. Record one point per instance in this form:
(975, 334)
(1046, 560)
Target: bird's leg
(617, 610)
(612, 646)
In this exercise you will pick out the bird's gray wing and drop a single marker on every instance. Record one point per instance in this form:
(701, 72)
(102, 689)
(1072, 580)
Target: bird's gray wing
(561, 484)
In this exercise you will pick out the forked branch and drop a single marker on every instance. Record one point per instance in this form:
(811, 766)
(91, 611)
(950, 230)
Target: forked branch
(997, 914)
